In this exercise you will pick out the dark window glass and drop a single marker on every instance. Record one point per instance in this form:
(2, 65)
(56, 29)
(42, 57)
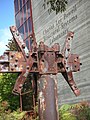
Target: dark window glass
(24, 13)
(16, 6)
(21, 31)
(18, 20)
(23, 2)
(27, 43)
(30, 25)
(30, 42)
(21, 16)
(20, 4)
(28, 8)
(26, 29)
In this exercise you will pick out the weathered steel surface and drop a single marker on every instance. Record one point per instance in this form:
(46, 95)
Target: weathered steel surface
(47, 85)
(69, 78)
(43, 62)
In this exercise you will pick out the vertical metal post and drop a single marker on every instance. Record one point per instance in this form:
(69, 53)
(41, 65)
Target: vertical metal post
(20, 103)
(48, 105)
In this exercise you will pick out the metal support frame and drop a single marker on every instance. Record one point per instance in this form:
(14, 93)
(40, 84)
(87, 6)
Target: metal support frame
(44, 62)
(48, 103)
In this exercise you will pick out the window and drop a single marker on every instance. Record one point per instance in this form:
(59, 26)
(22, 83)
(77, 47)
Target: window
(24, 13)
(20, 4)
(30, 25)
(16, 6)
(21, 31)
(21, 16)
(30, 42)
(26, 29)
(23, 2)
(28, 8)
(18, 20)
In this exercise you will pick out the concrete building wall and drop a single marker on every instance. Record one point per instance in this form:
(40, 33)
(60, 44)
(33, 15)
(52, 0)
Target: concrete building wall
(53, 28)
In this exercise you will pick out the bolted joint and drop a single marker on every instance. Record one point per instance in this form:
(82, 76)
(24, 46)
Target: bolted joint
(23, 46)
(80, 63)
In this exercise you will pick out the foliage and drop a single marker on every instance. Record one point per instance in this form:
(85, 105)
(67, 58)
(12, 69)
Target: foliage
(12, 45)
(79, 111)
(7, 114)
(7, 82)
(64, 113)
(57, 5)
(67, 116)
(64, 108)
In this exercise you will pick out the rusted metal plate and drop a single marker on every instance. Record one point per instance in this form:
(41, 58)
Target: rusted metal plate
(47, 63)
(56, 47)
(17, 66)
(19, 82)
(69, 78)
(73, 84)
(12, 62)
(74, 62)
(16, 57)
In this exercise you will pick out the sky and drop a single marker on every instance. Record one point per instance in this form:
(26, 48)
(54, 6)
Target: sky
(6, 20)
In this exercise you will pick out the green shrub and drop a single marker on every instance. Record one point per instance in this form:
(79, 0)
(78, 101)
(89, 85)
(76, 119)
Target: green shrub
(7, 114)
(67, 116)
(64, 113)
(64, 108)
(79, 111)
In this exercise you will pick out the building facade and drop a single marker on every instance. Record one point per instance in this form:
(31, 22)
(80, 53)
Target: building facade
(52, 28)
(23, 19)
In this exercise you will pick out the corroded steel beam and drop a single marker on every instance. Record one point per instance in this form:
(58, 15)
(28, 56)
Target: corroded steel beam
(48, 103)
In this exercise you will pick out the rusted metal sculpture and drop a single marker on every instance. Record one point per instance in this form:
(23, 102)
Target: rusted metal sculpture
(43, 63)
